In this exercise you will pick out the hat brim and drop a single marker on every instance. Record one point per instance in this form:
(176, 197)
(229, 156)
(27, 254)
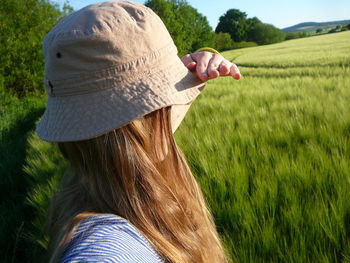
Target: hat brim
(81, 117)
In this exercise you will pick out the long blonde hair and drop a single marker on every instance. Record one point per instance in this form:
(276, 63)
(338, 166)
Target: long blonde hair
(122, 172)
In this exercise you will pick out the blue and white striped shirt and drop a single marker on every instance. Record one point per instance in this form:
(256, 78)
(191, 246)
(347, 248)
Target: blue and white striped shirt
(109, 238)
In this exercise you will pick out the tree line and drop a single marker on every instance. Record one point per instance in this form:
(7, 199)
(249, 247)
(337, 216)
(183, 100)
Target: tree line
(319, 31)
(191, 30)
(338, 28)
(25, 22)
(241, 28)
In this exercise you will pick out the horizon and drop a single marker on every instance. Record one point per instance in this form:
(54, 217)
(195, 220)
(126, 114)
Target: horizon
(282, 15)
(348, 19)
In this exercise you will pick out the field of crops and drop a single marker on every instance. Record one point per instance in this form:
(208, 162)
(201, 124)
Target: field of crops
(271, 152)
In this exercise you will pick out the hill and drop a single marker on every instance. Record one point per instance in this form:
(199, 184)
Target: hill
(313, 26)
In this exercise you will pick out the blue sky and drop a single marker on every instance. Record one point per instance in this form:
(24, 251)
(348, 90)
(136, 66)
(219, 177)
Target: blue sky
(280, 13)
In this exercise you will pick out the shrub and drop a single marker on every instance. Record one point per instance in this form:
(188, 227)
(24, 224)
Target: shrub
(264, 34)
(23, 26)
(223, 41)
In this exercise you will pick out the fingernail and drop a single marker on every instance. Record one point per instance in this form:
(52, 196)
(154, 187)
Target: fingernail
(192, 66)
(204, 75)
(227, 70)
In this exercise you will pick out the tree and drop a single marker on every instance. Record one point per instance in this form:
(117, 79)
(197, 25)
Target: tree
(319, 30)
(348, 26)
(23, 24)
(252, 22)
(266, 34)
(242, 29)
(189, 29)
(235, 23)
(22, 28)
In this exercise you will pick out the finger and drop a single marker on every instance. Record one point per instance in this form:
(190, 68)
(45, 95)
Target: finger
(189, 62)
(192, 66)
(234, 72)
(202, 59)
(224, 68)
(213, 66)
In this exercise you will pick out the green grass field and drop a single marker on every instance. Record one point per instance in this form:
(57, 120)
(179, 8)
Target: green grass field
(271, 152)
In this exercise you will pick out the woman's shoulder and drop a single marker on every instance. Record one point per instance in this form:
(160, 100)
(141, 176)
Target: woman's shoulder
(108, 238)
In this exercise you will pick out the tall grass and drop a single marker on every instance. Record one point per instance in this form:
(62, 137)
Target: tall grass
(17, 117)
(271, 153)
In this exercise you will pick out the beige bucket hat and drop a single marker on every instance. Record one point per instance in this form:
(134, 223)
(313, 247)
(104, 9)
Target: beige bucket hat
(107, 64)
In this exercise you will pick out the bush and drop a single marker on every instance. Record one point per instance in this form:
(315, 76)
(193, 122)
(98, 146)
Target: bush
(23, 26)
(264, 34)
(223, 41)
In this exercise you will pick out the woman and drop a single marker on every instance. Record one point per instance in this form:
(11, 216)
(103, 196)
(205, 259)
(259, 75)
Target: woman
(117, 92)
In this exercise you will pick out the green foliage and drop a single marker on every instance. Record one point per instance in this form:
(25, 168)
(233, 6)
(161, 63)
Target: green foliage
(243, 29)
(17, 118)
(264, 34)
(189, 29)
(235, 23)
(333, 30)
(295, 35)
(23, 26)
(319, 30)
(223, 41)
(244, 44)
(44, 166)
(338, 28)
(345, 28)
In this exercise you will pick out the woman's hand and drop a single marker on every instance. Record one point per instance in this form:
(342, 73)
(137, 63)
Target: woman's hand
(209, 65)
